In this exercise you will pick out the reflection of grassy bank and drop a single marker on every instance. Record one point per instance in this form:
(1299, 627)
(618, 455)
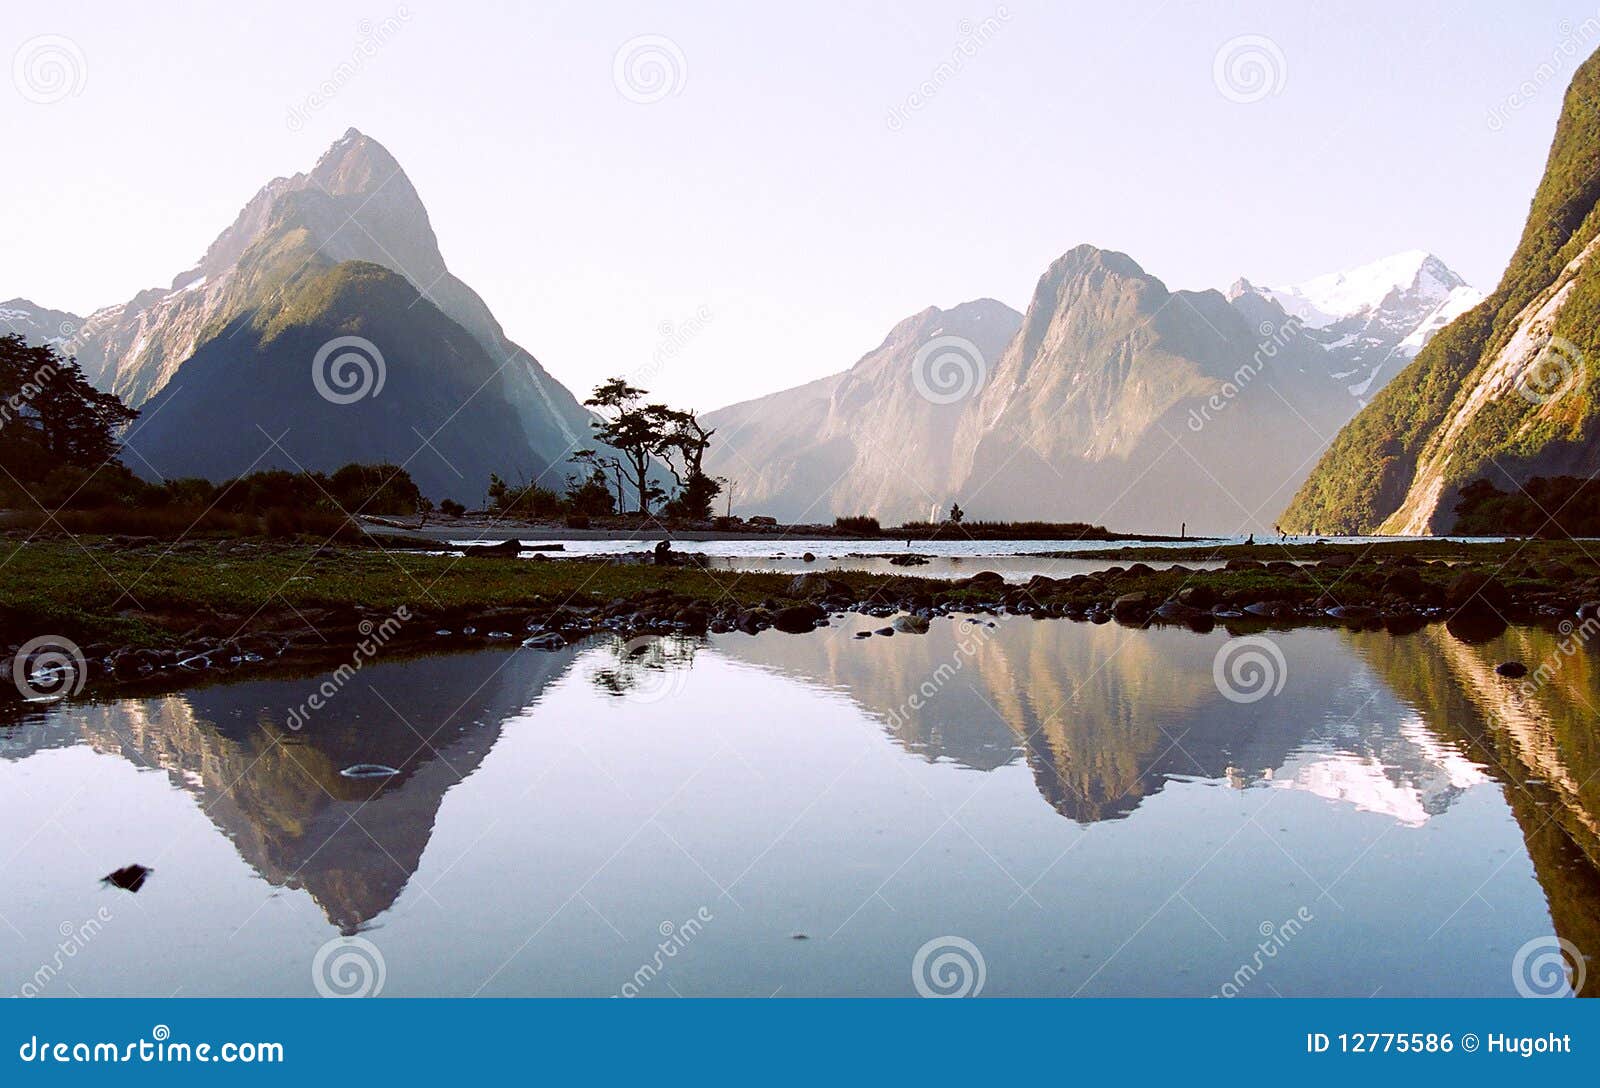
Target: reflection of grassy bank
(1540, 741)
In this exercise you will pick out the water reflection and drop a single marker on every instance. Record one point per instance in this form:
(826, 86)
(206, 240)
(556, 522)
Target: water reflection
(1105, 725)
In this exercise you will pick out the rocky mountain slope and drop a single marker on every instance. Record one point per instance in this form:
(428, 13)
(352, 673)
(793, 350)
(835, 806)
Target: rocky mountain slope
(1375, 318)
(1506, 391)
(227, 350)
(1113, 400)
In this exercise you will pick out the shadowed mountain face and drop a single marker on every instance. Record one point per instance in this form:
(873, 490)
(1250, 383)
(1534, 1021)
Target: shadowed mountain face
(1113, 400)
(1507, 391)
(232, 344)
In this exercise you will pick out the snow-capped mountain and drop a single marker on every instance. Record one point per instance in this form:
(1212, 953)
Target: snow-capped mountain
(1373, 319)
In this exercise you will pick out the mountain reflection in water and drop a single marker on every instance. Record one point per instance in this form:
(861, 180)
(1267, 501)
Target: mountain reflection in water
(759, 763)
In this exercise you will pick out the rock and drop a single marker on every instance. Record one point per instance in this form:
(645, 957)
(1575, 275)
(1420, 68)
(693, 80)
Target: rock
(1131, 606)
(1338, 561)
(863, 634)
(911, 624)
(986, 578)
(1201, 596)
(808, 558)
(1513, 670)
(1243, 564)
(884, 631)
(1353, 613)
(912, 560)
(551, 641)
(1271, 610)
(752, 620)
(1475, 592)
(1176, 612)
(130, 878)
(797, 619)
(505, 547)
(813, 584)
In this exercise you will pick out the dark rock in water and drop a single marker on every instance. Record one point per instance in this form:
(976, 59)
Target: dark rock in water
(130, 878)
(799, 937)
(1131, 606)
(1176, 612)
(1513, 670)
(912, 560)
(884, 631)
(1339, 560)
(1243, 564)
(808, 558)
(863, 634)
(1475, 627)
(987, 578)
(1201, 596)
(1353, 613)
(753, 620)
(1475, 592)
(1270, 610)
(1404, 624)
(505, 547)
(797, 619)
(911, 625)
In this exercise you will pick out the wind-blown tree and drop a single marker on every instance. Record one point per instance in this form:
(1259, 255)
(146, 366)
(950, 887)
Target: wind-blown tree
(683, 449)
(50, 416)
(630, 427)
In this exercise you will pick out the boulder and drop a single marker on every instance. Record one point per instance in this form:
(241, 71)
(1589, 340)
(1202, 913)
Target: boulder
(797, 619)
(1512, 670)
(1131, 606)
(1475, 591)
(911, 624)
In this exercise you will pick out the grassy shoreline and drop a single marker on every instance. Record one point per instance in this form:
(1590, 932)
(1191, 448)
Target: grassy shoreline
(139, 609)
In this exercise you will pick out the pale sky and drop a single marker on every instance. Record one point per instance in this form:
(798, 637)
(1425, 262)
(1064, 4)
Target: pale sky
(785, 187)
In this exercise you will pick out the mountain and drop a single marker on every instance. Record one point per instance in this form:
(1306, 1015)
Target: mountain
(227, 351)
(1375, 318)
(39, 325)
(1112, 400)
(1504, 392)
(837, 445)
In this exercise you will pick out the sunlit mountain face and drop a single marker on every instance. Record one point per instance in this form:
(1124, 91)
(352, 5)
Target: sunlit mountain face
(824, 784)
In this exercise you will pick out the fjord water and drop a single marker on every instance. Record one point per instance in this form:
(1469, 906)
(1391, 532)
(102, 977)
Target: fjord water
(1083, 804)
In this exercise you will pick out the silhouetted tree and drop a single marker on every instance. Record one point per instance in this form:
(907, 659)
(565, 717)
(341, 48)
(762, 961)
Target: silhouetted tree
(50, 416)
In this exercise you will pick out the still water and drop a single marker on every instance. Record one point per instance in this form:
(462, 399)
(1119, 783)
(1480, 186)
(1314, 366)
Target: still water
(1064, 808)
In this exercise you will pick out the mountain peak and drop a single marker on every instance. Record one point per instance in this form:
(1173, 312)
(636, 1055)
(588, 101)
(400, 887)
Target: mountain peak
(354, 163)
